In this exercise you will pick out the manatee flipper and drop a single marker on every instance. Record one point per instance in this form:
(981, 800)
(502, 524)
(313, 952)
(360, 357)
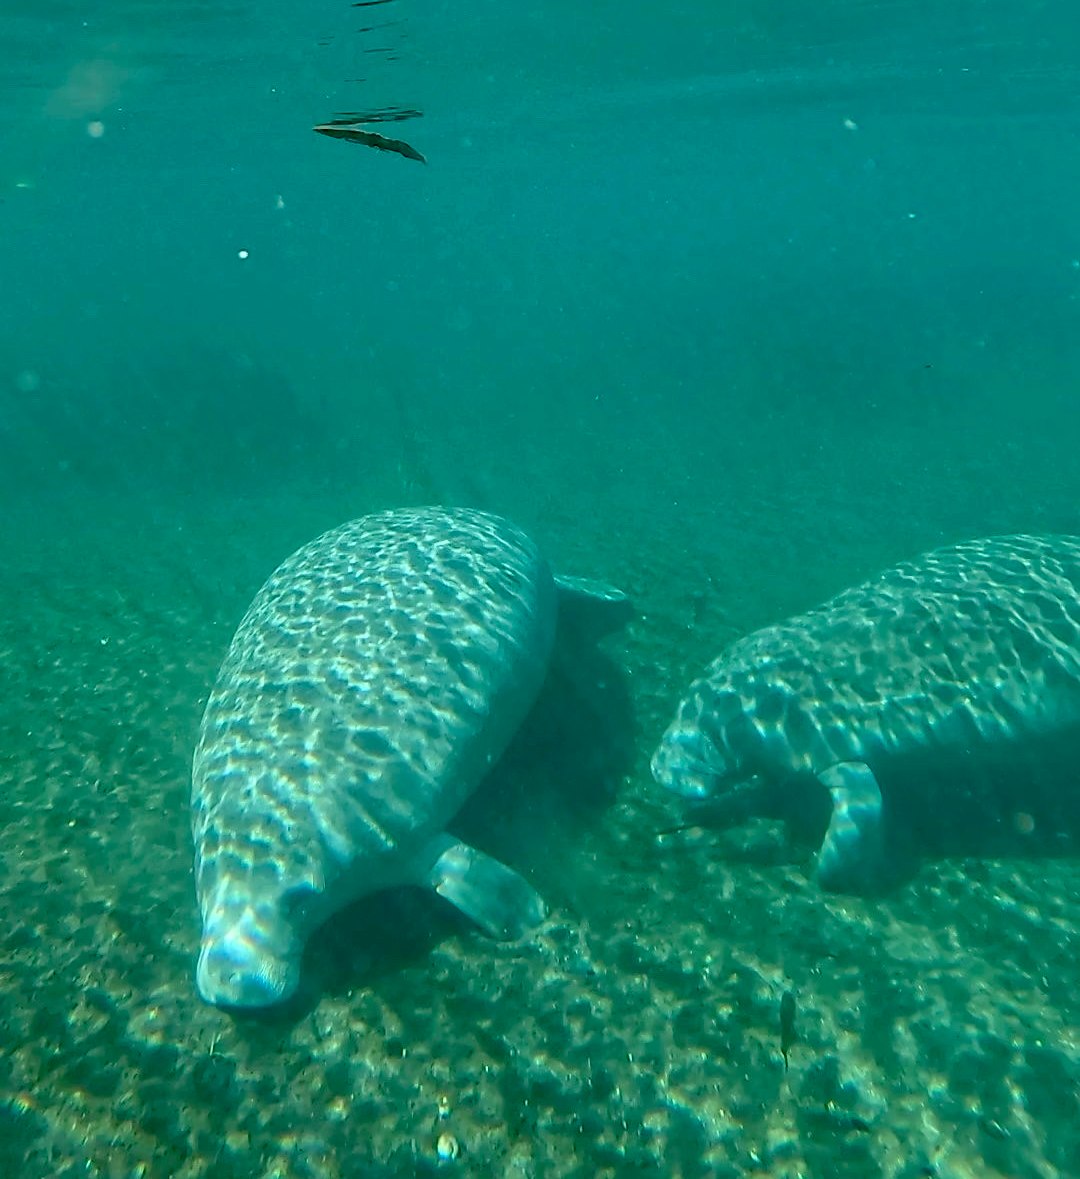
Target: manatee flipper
(500, 901)
(591, 609)
(850, 858)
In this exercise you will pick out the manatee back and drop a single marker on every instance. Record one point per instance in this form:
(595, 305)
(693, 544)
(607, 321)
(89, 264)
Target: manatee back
(970, 644)
(377, 675)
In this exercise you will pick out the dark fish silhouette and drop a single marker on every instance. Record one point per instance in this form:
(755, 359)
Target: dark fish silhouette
(788, 1035)
(380, 114)
(356, 134)
(835, 1121)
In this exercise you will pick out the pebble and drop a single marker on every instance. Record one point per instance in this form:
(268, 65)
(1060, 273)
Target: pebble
(447, 1148)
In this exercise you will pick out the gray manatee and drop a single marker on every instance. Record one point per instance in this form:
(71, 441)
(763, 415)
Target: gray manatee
(904, 694)
(375, 679)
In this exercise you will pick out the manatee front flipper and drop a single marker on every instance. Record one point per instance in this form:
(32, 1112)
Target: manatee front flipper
(850, 859)
(591, 609)
(500, 901)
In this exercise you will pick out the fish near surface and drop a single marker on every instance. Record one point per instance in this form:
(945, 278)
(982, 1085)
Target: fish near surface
(375, 679)
(941, 690)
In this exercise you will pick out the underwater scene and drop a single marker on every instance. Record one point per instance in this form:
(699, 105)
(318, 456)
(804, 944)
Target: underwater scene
(540, 600)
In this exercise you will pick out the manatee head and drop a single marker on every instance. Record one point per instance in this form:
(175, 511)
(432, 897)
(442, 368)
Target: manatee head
(686, 762)
(261, 893)
(695, 757)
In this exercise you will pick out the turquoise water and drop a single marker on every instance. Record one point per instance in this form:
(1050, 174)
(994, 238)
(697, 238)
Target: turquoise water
(731, 307)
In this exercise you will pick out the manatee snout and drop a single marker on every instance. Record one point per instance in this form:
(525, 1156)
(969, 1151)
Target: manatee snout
(247, 960)
(687, 762)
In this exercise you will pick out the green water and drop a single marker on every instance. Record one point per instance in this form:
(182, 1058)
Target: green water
(732, 308)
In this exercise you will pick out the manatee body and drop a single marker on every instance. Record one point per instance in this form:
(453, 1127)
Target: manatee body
(375, 679)
(904, 695)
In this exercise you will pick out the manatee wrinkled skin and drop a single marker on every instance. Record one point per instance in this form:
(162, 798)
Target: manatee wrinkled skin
(375, 679)
(925, 682)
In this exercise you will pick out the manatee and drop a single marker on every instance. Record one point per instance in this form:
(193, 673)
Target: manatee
(373, 682)
(909, 695)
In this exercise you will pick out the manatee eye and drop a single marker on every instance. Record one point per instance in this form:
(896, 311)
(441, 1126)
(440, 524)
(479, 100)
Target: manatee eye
(296, 903)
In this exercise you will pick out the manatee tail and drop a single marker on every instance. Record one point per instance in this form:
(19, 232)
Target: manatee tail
(500, 901)
(591, 609)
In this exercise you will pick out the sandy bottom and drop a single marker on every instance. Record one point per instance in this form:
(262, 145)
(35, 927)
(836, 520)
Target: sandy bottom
(638, 1034)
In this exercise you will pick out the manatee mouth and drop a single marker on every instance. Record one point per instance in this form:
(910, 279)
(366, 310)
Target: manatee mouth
(687, 763)
(235, 970)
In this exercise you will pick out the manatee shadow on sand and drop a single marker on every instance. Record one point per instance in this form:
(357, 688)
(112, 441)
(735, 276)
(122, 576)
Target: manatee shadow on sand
(564, 765)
